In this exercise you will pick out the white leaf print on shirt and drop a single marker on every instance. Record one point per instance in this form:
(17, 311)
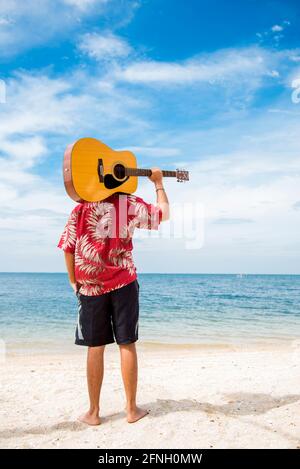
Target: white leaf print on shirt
(122, 258)
(87, 250)
(91, 288)
(88, 258)
(100, 220)
(69, 234)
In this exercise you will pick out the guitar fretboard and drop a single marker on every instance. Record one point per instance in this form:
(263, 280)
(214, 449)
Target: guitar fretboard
(147, 172)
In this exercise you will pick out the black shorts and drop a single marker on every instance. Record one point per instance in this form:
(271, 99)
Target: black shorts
(113, 316)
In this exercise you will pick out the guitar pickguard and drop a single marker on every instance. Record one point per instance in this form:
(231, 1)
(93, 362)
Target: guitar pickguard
(111, 183)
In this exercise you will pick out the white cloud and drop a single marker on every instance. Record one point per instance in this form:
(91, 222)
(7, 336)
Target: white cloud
(31, 23)
(107, 46)
(277, 28)
(5, 21)
(221, 66)
(295, 58)
(273, 73)
(155, 151)
(273, 35)
(84, 4)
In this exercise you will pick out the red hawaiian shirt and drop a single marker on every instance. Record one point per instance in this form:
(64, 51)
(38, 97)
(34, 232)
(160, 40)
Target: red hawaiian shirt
(99, 234)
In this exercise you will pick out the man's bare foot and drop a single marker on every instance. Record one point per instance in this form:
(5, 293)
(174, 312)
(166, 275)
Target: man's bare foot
(136, 414)
(90, 418)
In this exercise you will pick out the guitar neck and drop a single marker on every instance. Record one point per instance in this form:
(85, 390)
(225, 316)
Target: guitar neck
(147, 172)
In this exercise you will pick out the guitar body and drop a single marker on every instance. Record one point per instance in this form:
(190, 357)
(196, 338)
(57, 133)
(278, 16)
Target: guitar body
(93, 171)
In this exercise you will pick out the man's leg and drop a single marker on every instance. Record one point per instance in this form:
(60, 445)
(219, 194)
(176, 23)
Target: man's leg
(129, 367)
(95, 367)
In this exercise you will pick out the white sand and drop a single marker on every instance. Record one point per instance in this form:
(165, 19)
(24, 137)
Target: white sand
(198, 398)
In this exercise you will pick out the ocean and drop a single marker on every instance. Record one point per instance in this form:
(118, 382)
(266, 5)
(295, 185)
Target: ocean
(38, 311)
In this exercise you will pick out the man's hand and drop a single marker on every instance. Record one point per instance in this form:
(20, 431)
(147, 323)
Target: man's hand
(156, 175)
(75, 286)
(70, 264)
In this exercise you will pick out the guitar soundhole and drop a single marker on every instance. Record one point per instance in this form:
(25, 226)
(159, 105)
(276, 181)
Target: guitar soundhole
(119, 171)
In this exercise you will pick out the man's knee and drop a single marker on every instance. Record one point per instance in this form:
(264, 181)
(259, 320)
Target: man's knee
(129, 346)
(96, 350)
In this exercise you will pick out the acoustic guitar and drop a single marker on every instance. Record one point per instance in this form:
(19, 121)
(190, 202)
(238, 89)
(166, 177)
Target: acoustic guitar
(93, 171)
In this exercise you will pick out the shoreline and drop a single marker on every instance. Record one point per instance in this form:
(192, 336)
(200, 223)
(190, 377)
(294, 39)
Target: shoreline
(11, 349)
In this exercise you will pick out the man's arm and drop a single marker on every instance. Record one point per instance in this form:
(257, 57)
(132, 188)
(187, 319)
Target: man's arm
(161, 196)
(70, 264)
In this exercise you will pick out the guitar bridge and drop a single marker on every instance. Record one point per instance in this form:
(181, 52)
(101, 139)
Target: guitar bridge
(100, 170)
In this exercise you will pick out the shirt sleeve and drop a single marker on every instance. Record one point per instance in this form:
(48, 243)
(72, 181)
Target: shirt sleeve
(67, 240)
(147, 216)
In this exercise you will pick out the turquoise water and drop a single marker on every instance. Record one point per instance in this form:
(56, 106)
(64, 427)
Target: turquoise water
(40, 310)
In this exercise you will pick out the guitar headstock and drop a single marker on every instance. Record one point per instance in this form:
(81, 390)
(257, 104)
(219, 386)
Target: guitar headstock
(182, 175)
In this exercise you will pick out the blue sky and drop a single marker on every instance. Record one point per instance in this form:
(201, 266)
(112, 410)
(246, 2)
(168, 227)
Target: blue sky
(204, 85)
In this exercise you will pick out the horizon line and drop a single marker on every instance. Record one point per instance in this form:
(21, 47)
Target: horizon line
(162, 273)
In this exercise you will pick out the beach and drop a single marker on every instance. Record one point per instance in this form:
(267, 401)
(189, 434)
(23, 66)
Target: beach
(198, 396)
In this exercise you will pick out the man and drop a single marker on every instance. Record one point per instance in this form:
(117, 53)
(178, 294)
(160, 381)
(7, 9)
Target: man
(97, 242)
